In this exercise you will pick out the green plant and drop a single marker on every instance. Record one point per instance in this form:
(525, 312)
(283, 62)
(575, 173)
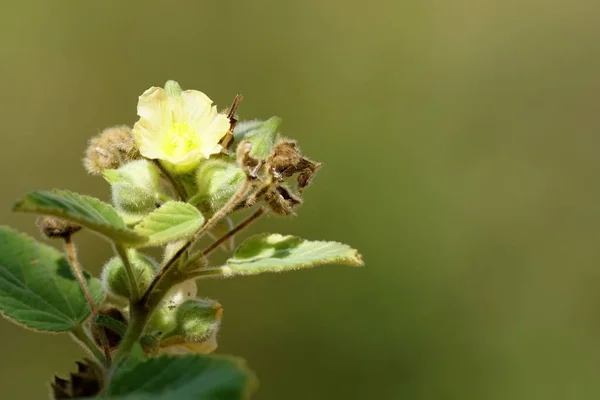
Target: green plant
(181, 173)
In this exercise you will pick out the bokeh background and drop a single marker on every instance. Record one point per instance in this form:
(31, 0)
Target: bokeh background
(460, 143)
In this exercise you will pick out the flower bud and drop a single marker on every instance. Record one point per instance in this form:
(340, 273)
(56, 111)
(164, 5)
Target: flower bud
(53, 227)
(217, 181)
(198, 322)
(136, 187)
(164, 318)
(110, 149)
(198, 319)
(114, 275)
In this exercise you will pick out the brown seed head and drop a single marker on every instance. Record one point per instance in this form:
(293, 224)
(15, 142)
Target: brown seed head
(53, 227)
(286, 160)
(110, 149)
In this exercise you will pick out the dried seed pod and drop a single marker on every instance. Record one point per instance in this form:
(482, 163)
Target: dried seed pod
(282, 200)
(86, 382)
(286, 160)
(53, 227)
(244, 159)
(110, 149)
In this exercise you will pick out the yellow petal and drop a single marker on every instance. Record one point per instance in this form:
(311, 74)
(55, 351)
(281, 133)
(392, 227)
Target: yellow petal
(180, 129)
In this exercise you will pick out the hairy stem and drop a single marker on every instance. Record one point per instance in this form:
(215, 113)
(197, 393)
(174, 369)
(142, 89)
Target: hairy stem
(132, 281)
(142, 308)
(78, 273)
(138, 316)
(83, 338)
(226, 209)
(243, 225)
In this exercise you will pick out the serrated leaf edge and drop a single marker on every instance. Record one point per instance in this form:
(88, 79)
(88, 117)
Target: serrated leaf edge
(107, 230)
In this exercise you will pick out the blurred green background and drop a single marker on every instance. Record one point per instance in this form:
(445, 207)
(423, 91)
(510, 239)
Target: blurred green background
(460, 144)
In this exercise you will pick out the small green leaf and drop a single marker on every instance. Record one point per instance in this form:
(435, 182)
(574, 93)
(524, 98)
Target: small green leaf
(271, 252)
(262, 135)
(88, 211)
(172, 221)
(183, 377)
(37, 287)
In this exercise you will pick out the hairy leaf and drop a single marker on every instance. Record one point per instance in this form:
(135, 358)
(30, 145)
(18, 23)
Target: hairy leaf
(172, 221)
(271, 252)
(88, 211)
(262, 135)
(37, 287)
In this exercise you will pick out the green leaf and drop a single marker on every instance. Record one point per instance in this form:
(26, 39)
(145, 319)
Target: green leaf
(88, 211)
(271, 252)
(172, 221)
(262, 135)
(183, 377)
(37, 287)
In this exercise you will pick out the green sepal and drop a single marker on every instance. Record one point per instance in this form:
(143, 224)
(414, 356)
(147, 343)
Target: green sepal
(262, 135)
(172, 88)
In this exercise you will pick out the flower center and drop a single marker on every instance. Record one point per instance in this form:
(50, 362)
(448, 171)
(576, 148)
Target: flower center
(180, 140)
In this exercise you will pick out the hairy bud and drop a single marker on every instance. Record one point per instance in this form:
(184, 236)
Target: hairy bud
(110, 149)
(136, 187)
(217, 181)
(164, 318)
(198, 322)
(53, 227)
(198, 319)
(114, 275)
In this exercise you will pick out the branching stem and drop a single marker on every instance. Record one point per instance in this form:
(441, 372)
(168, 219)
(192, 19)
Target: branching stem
(243, 225)
(78, 273)
(223, 212)
(82, 336)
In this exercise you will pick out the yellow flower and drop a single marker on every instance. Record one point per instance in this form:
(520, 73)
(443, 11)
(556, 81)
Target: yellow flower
(179, 127)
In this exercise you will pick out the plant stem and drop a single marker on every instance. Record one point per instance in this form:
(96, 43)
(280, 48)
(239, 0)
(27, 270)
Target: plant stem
(230, 205)
(138, 316)
(133, 285)
(176, 185)
(78, 273)
(243, 225)
(81, 335)
(142, 309)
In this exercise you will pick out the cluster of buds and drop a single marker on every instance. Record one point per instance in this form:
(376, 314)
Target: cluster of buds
(183, 149)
